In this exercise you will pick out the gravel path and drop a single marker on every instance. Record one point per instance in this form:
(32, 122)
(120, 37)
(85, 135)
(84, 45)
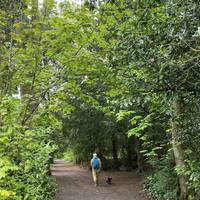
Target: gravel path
(76, 183)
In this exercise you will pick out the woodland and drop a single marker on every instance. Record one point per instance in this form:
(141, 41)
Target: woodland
(116, 77)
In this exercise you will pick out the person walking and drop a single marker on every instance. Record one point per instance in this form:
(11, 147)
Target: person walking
(96, 168)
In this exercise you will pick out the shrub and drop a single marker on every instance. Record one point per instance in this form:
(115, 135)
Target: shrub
(162, 183)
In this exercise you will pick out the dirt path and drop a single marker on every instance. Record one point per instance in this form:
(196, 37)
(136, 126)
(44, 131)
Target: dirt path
(76, 183)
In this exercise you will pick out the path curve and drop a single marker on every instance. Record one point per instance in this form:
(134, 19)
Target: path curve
(75, 183)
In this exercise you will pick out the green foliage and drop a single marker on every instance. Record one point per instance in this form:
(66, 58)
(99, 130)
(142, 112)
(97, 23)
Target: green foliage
(90, 77)
(25, 157)
(69, 155)
(151, 47)
(142, 125)
(26, 135)
(162, 184)
(192, 172)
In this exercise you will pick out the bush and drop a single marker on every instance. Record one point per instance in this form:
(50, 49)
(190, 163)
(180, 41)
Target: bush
(162, 184)
(193, 173)
(27, 177)
(69, 156)
(25, 157)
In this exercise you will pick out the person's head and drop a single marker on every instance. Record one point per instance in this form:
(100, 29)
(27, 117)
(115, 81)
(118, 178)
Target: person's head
(94, 155)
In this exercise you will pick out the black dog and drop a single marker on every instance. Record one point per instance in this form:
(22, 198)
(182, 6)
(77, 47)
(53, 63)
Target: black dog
(109, 180)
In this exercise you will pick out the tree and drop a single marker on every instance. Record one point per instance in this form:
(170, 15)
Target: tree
(151, 48)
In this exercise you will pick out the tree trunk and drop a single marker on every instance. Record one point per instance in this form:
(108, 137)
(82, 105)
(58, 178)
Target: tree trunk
(130, 153)
(178, 150)
(140, 159)
(114, 151)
